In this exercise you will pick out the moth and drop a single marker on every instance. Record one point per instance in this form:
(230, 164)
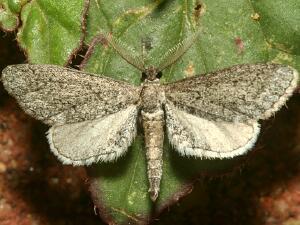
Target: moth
(94, 118)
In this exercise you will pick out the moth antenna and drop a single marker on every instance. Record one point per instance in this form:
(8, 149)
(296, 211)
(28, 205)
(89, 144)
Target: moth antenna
(173, 54)
(125, 52)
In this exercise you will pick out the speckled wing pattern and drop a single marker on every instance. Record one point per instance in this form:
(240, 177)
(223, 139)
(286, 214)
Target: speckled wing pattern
(216, 115)
(86, 111)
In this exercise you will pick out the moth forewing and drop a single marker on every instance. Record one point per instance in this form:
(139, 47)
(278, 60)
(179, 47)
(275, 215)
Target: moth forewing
(236, 94)
(58, 95)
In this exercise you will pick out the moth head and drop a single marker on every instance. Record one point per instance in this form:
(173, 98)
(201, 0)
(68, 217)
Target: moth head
(151, 74)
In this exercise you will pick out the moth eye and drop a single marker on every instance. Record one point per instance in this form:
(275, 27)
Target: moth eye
(144, 76)
(159, 75)
(198, 6)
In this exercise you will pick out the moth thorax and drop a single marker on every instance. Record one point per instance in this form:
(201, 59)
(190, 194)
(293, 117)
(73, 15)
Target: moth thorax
(152, 97)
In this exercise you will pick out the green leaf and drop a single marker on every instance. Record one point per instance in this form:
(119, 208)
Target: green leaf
(233, 32)
(51, 30)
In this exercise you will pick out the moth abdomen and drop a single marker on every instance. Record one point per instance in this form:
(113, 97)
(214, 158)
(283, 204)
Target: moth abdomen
(153, 125)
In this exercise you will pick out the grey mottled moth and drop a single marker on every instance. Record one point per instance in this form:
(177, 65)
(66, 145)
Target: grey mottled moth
(94, 118)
